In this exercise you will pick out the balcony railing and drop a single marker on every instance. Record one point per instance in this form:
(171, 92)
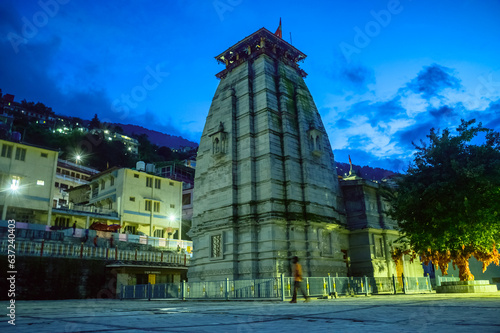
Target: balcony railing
(71, 179)
(90, 209)
(57, 249)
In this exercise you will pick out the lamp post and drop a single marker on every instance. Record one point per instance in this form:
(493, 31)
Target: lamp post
(14, 186)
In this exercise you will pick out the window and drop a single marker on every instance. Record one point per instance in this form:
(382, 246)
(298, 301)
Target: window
(58, 170)
(136, 175)
(172, 206)
(77, 176)
(186, 199)
(327, 242)
(157, 207)
(6, 151)
(147, 205)
(112, 181)
(130, 229)
(149, 181)
(379, 247)
(132, 199)
(73, 174)
(20, 154)
(44, 155)
(158, 233)
(103, 185)
(216, 246)
(171, 183)
(57, 184)
(158, 183)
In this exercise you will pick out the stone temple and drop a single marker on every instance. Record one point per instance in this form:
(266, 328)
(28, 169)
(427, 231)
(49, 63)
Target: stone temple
(266, 186)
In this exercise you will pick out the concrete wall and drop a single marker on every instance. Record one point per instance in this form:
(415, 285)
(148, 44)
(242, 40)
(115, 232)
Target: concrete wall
(57, 278)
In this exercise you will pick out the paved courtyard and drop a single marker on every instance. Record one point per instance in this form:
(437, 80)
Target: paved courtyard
(391, 313)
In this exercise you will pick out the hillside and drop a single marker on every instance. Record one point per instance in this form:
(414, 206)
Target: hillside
(158, 138)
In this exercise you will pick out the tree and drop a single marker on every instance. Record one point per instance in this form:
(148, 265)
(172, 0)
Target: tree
(95, 122)
(448, 203)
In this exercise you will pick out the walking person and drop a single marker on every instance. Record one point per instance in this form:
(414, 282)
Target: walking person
(74, 228)
(297, 280)
(95, 240)
(111, 242)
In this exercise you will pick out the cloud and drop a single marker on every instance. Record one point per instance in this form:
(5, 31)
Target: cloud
(491, 117)
(350, 77)
(356, 77)
(443, 112)
(432, 80)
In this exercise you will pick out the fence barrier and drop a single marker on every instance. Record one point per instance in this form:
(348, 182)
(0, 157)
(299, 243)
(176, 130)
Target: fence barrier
(278, 288)
(55, 249)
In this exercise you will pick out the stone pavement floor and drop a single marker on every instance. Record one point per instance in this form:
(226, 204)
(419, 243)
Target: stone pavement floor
(390, 313)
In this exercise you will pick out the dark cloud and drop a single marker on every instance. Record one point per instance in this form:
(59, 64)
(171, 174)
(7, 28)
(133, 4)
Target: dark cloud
(379, 111)
(491, 117)
(414, 134)
(356, 77)
(9, 21)
(431, 80)
(352, 76)
(443, 112)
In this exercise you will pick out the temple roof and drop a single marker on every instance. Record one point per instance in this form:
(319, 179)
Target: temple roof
(263, 32)
(261, 41)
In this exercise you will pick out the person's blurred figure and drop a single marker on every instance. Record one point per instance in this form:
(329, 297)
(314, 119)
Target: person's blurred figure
(297, 277)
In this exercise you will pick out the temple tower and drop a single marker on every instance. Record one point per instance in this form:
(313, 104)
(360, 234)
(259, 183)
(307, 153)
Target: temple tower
(266, 186)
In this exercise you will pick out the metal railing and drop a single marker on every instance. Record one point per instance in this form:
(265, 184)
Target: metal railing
(89, 209)
(49, 249)
(279, 288)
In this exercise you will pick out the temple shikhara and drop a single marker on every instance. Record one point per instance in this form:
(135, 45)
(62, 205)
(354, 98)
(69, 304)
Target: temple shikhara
(266, 186)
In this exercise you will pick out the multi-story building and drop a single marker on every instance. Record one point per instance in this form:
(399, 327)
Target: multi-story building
(27, 177)
(142, 203)
(68, 176)
(131, 144)
(185, 174)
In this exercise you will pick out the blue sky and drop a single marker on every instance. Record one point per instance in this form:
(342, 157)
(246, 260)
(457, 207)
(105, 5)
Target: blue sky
(382, 73)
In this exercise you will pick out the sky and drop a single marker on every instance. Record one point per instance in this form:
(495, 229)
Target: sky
(382, 73)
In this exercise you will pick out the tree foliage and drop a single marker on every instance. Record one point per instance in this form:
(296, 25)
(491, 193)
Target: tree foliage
(448, 203)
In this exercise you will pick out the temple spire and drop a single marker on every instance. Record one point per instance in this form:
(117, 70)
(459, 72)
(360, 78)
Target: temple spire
(279, 32)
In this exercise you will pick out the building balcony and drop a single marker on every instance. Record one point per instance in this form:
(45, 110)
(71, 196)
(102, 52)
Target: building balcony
(71, 179)
(82, 209)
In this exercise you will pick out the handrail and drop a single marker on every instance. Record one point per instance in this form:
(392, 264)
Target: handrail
(57, 249)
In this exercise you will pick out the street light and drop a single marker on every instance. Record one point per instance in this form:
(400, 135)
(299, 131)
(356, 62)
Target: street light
(78, 158)
(14, 186)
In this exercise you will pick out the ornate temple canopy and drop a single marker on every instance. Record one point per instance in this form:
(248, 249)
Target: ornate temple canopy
(261, 41)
